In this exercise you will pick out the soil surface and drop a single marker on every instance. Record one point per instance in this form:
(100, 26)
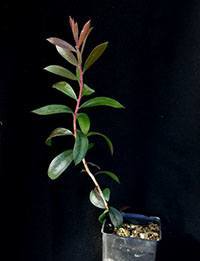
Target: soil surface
(149, 231)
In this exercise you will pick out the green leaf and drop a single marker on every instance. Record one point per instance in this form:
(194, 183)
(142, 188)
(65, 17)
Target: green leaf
(102, 101)
(65, 88)
(108, 141)
(115, 217)
(110, 174)
(87, 90)
(91, 145)
(84, 122)
(80, 147)
(96, 199)
(53, 109)
(102, 217)
(95, 55)
(59, 164)
(56, 133)
(61, 71)
(106, 193)
(67, 55)
(77, 72)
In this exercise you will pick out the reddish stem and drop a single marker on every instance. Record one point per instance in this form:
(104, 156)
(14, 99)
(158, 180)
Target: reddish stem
(78, 100)
(75, 133)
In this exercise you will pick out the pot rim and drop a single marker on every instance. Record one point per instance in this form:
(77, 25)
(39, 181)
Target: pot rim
(138, 217)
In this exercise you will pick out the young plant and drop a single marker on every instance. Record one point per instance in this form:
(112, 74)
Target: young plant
(80, 128)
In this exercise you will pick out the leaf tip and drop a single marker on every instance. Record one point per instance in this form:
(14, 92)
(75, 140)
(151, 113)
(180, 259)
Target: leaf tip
(50, 40)
(34, 111)
(48, 142)
(52, 177)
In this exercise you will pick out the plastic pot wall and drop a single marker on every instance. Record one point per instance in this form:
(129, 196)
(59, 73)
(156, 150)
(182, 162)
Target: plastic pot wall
(116, 248)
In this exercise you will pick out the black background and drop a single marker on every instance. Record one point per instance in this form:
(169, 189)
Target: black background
(152, 67)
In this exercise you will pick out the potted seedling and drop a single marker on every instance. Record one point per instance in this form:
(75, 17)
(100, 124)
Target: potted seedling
(125, 236)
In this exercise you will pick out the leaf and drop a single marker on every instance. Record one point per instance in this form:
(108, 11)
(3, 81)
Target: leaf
(84, 42)
(74, 27)
(96, 199)
(108, 141)
(71, 22)
(110, 174)
(76, 31)
(61, 71)
(53, 109)
(80, 147)
(56, 133)
(93, 165)
(61, 43)
(91, 145)
(87, 90)
(79, 57)
(59, 164)
(84, 122)
(95, 55)
(115, 217)
(106, 193)
(102, 217)
(102, 101)
(67, 55)
(65, 88)
(84, 33)
(77, 72)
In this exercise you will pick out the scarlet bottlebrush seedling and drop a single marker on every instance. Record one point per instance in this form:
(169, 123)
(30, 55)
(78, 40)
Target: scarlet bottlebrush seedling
(80, 127)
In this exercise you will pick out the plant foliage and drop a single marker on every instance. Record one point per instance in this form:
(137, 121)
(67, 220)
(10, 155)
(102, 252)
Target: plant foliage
(81, 123)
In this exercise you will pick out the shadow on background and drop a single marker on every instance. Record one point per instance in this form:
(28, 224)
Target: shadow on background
(182, 247)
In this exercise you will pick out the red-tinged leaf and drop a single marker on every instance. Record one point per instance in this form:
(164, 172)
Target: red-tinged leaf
(71, 22)
(83, 33)
(74, 27)
(61, 43)
(84, 42)
(76, 33)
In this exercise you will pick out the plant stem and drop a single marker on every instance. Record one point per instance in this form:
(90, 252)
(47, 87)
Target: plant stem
(96, 183)
(79, 99)
(81, 83)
